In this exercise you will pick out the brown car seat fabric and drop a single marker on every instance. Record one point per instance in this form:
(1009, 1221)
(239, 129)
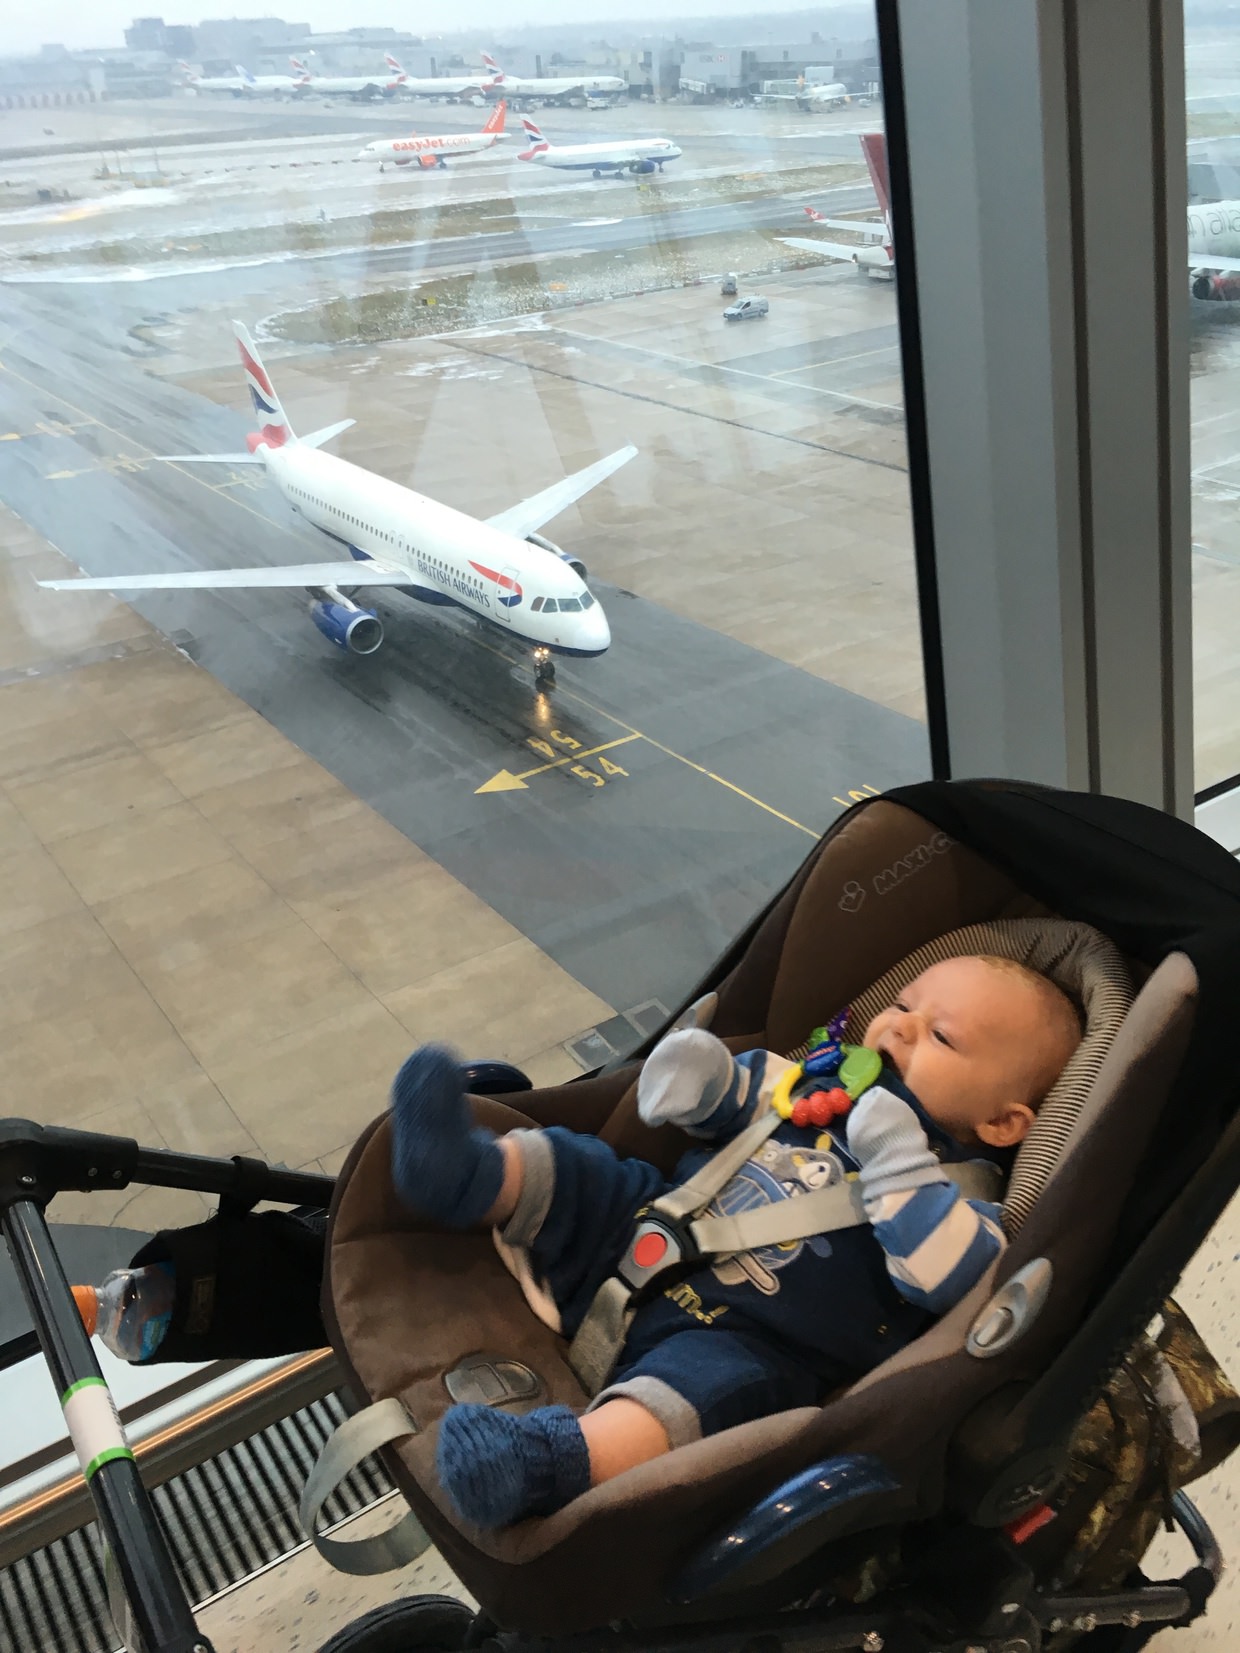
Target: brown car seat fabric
(405, 1303)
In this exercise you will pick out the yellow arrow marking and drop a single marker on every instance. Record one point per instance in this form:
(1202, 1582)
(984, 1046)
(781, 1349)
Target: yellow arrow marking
(506, 781)
(503, 782)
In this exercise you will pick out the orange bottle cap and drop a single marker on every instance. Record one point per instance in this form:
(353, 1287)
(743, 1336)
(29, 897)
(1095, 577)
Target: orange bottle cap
(87, 1300)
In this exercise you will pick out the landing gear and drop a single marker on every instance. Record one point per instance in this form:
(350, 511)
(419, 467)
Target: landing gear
(598, 172)
(544, 669)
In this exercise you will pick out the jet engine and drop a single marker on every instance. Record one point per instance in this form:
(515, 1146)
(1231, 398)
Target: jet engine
(1215, 285)
(642, 166)
(575, 563)
(343, 623)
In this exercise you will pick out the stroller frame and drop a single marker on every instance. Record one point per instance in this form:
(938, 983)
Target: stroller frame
(980, 1598)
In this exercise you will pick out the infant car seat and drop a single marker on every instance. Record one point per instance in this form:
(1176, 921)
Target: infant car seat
(966, 1430)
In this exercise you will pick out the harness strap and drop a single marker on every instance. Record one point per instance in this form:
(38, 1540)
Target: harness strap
(688, 1198)
(356, 1438)
(599, 1338)
(816, 1211)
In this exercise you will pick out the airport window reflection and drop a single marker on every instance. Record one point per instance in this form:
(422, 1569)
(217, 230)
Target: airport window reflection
(1212, 50)
(440, 603)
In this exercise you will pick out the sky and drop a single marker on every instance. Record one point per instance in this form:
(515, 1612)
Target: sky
(84, 23)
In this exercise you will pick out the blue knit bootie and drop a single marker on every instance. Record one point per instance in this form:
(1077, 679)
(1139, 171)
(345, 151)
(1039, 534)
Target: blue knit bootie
(442, 1165)
(497, 1468)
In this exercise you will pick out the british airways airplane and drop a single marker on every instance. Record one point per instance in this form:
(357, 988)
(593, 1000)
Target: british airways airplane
(622, 155)
(502, 570)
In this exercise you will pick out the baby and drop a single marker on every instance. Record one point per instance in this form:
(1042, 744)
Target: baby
(968, 1052)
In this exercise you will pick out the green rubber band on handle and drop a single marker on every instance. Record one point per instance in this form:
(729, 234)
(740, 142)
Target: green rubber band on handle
(82, 1383)
(108, 1456)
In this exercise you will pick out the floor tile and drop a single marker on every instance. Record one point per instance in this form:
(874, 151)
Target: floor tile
(235, 751)
(508, 1003)
(309, 1094)
(106, 862)
(104, 792)
(249, 994)
(193, 915)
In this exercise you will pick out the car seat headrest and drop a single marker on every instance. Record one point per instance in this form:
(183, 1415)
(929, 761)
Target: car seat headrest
(1089, 968)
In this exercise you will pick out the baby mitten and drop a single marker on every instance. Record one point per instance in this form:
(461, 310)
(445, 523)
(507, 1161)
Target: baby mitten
(887, 1140)
(692, 1079)
(442, 1164)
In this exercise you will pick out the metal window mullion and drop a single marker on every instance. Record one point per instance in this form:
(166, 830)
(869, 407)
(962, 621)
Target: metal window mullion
(1045, 168)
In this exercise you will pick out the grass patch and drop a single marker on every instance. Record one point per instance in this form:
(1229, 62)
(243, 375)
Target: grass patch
(479, 297)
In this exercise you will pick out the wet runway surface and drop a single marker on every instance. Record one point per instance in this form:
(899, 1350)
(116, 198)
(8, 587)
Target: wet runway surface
(629, 822)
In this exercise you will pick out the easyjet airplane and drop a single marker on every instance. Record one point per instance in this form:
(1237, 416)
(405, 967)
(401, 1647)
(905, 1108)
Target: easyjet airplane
(430, 152)
(502, 570)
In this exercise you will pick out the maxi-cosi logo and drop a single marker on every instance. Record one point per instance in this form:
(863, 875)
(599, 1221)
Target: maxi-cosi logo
(914, 861)
(853, 893)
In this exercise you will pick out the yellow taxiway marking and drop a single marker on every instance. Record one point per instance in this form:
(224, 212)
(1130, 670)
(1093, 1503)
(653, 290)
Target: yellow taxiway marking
(124, 461)
(637, 734)
(46, 427)
(505, 781)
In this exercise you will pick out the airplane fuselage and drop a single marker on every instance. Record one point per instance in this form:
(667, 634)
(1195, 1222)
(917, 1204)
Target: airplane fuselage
(520, 87)
(451, 558)
(350, 85)
(633, 154)
(404, 151)
(1214, 229)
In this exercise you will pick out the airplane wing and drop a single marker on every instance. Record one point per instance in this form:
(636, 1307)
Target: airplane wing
(208, 459)
(828, 249)
(530, 514)
(219, 579)
(863, 226)
(1200, 261)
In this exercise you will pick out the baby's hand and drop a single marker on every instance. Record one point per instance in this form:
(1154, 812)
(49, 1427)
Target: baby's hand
(691, 1079)
(684, 1078)
(888, 1142)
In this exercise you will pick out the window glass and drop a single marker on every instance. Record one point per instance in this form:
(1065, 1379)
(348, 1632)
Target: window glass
(1213, 88)
(248, 866)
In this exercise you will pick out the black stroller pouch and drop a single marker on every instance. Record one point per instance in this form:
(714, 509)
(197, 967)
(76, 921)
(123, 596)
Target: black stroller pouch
(996, 1434)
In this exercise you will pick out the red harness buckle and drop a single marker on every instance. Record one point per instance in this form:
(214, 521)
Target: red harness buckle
(1023, 1528)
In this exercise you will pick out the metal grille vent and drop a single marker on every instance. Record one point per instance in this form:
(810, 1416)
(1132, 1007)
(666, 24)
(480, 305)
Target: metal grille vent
(225, 1519)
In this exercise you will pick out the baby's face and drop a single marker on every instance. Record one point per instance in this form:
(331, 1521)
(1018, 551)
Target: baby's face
(971, 1042)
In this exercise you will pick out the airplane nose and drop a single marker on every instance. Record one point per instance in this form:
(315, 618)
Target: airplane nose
(597, 633)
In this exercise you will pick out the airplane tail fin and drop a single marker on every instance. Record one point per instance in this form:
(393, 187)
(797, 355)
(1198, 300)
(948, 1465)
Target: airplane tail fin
(495, 120)
(274, 428)
(392, 64)
(491, 64)
(874, 146)
(813, 212)
(245, 74)
(538, 144)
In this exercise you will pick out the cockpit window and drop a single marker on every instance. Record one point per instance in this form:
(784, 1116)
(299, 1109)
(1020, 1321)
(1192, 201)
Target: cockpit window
(569, 605)
(549, 606)
(586, 600)
(536, 605)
